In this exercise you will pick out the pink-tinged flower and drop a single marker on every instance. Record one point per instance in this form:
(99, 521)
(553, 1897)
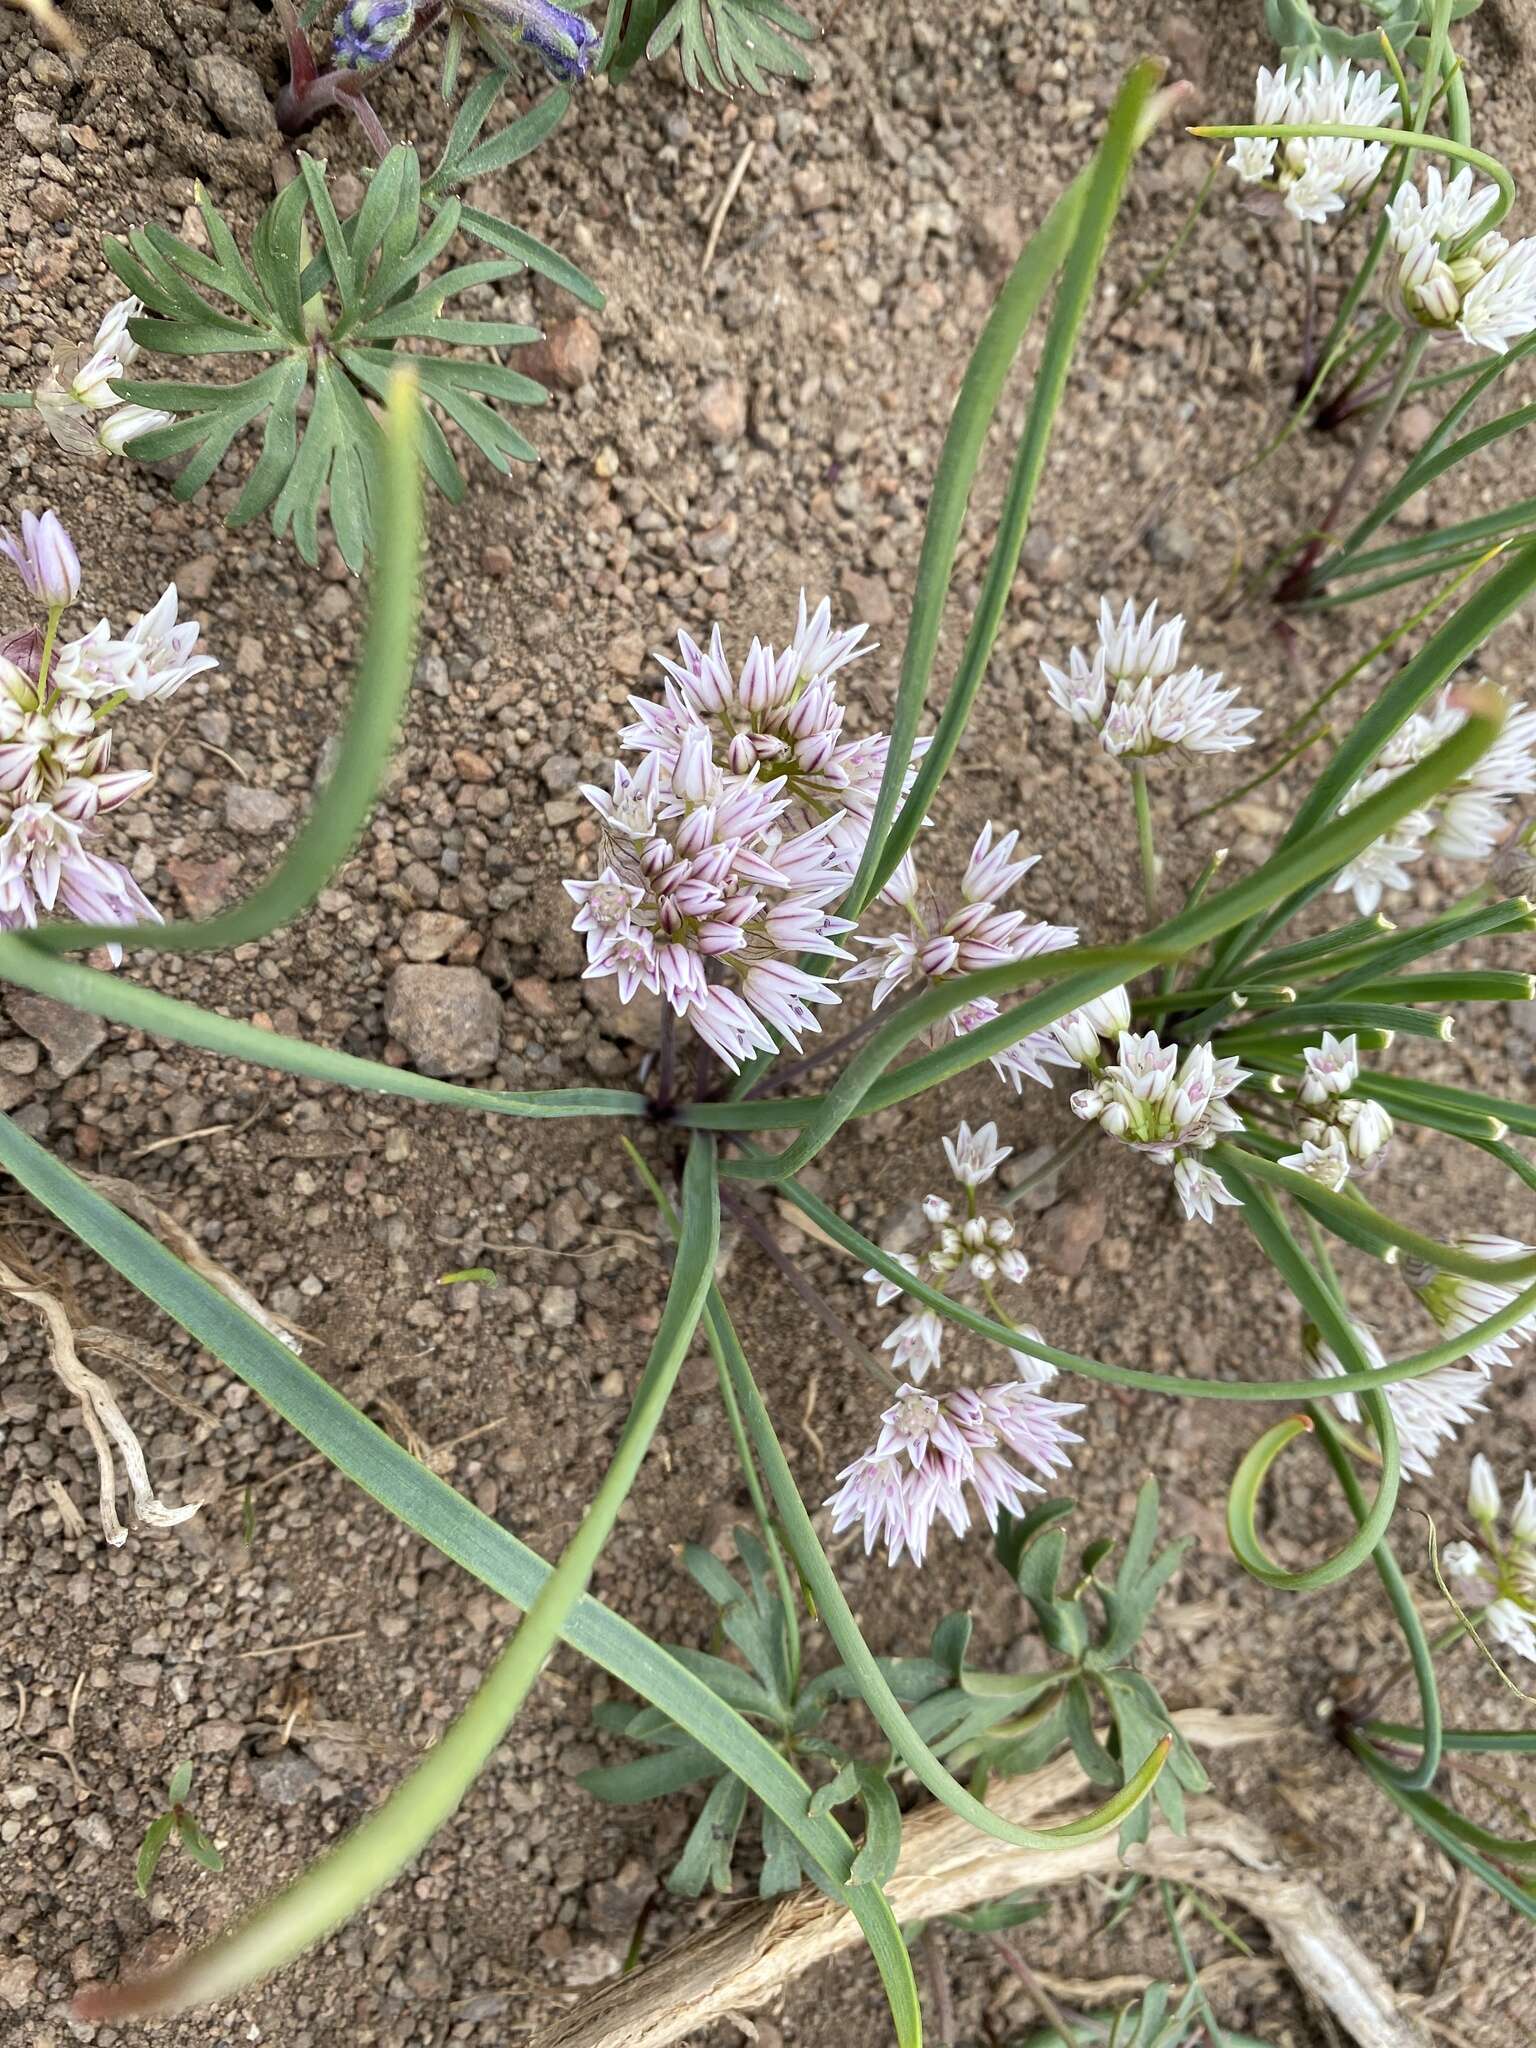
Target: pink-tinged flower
(1132, 694)
(1326, 1160)
(974, 1156)
(45, 865)
(933, 1448)
(162, 654)
(1427, 1411)
(1462, 822)
(779, 717)
(605, 908)
(1201, 1189)
(44, 557)
(1459, 1303)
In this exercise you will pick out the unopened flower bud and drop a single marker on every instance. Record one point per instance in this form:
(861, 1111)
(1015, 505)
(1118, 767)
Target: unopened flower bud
(45, 560)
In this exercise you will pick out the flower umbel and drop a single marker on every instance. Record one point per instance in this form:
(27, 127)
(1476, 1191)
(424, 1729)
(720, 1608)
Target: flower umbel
(1316, 175)
(966, 1247)
(933, 1448)
(1463, 822)
(1133, 695)
(56, 775)
(1172, 1109)
(1333, 1123)
(1452, 279)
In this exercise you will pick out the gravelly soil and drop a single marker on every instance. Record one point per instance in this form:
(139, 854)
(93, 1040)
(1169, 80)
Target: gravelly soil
(719, 442)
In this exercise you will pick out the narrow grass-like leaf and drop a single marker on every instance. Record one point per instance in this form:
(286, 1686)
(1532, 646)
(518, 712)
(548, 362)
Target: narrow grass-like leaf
(428, 1505)
(338, 1883)
(337, 815)
(100, 994)
(1111, 165)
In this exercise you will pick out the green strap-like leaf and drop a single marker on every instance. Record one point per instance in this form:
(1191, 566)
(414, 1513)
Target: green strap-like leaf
(426, 1504)
(1106, 184)
(337, 1883)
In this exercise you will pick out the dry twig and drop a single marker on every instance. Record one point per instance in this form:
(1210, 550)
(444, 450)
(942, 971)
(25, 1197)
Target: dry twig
(948, 1867)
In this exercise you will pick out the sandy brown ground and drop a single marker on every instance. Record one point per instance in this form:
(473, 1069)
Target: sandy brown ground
(878, 213)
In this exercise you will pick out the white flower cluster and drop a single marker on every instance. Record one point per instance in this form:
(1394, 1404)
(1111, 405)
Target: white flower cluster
(1450, 278)
(1463, 822)
(1502, 1582)
(56, 778)
(1428, 1411)
(976, 1247)
(1338, 1129)
(1171, 1108)
(1316, 175)
(936, 1451)
(77, 389)
(1132, 693)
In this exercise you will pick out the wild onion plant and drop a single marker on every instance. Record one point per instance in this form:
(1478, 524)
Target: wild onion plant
(1439, 290)
(752, 873)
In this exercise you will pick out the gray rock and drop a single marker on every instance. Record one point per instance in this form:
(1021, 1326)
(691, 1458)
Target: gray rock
(447, 1018)
(69, 1037)
(256, 811)
(233, 94)
(284, 1779)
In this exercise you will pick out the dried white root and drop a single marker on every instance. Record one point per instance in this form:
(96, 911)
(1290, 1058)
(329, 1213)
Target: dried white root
(178, 1239)
(105, 1422)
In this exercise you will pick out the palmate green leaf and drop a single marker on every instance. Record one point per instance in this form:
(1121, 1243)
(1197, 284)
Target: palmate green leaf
(353, 286)
(728, 43)
(1081, 258)
(426, 1504)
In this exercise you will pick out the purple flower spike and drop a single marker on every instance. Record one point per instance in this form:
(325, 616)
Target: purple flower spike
(369, 31)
